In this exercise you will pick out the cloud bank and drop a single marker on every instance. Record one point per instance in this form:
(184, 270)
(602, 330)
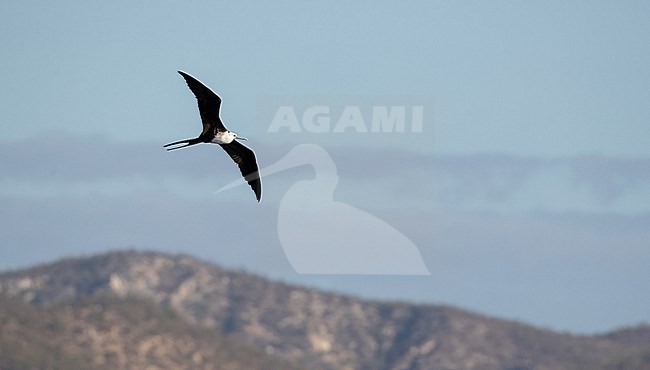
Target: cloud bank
(559, 242)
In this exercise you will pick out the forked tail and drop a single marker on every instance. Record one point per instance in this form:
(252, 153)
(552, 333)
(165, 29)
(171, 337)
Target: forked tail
(187, 143)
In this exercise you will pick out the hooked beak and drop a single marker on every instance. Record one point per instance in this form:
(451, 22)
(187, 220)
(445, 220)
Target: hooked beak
(241, 138)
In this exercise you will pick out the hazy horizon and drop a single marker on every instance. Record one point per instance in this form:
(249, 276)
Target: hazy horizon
(527, 190)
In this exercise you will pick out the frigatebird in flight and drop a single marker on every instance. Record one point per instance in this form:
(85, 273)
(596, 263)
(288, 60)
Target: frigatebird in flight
(215, 132)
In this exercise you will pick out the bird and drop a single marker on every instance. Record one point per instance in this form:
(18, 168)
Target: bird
(214, 132)
(320, 235)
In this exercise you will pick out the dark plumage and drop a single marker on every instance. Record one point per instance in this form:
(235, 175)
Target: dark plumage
(215, 132)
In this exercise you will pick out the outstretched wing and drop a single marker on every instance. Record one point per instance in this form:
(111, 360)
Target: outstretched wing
(209, 103)
(245, 159)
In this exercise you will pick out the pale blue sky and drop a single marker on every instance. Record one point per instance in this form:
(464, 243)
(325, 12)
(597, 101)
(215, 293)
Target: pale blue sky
(556, 78)
(528, 192)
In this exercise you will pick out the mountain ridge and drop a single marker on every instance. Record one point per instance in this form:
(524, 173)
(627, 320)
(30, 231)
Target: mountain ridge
(317, 329)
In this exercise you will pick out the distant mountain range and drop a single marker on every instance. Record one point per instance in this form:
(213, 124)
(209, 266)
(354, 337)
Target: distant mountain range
(134, 310)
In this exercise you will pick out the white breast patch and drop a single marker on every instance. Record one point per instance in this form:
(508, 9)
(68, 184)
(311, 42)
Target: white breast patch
(223, 137)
